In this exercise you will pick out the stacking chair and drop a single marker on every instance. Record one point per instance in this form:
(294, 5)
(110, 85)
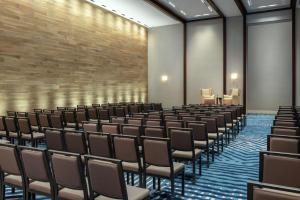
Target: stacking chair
(106, 180)
(3, 132)
(81, 116)
(280, 130)
(134, 109)
(111, 128)
(70, 120)
(56, 121)
(201, 141)
(147, 107)
(44, 121)
(170, 117)
(12, 129)
(284, 143)
(264, 191)
(120, 111)
(92, 114)
(100, 144)
(11, 171)
(33, 119)
(231, 128)
(155, 131)
(279, 169)
(158, 162)
(27, 134)
(22, 114)
(37, 173)
(182, 144)
(154, 116)
(91, 126)
(126, 148)
(173, 124)
(75, 142)
(213, 132)
(221, 124)
(55, 139)
(69, 175)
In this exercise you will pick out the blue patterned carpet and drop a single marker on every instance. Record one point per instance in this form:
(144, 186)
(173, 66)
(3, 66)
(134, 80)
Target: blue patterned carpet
(227, 177)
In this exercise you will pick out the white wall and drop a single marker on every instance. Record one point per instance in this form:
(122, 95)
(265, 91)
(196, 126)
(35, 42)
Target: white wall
(269, 67)
(204, 58)
(235, 53)
(298, 56)
(165, 57)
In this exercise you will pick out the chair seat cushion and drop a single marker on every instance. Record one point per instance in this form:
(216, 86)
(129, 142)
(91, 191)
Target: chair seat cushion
(214, 135)
(164, 171)
(35, 128)
(71, 125)
(13, 180)
(202, 143)
(3, 133)
(67, 193)
(38, 186)
(129, 166)
(271, 194)
(13, 135)
(35, 135)
(133, 193)
(186, 154)
(229, 125)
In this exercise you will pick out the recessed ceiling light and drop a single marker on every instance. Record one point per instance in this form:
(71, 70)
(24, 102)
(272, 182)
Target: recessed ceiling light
(250, 3)
(210, 9)
(203, 1)
(202, 15)
(182, 12)
(266, 6)
(172, 4)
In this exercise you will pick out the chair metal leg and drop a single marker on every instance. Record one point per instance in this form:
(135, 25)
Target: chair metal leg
(2, 195)
(182, 184)
(141, 180)
(207, 156)
(127, 178)
(158, 184)
(194, 170)
(154, 182)
(172, 185)
(200, 165)
(132, 179)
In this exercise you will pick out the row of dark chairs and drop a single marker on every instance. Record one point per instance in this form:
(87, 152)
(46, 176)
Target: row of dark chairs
(279, 176)
(63, 175)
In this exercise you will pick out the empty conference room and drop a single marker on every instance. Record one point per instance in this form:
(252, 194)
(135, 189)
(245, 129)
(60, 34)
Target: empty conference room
(150, 99)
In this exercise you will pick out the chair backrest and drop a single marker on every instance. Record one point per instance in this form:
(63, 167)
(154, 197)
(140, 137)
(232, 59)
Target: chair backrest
(155, 131)
(199, 130)
(135, 121)
(170, 117)
(282, 143)
(103, 114)
(126, 148)
(106, 178)
(111, 128)
(280, 169)
(81, 116)
(181, 139)
(2, 123)
(133, 130)
(211, 124)
(287, 123)
(68, 171)
(206, 92)
(119, 120)
(10, 160)
(120, 111)
(44, 120)
(22, 114)
(56, 121)
(11, 124)
(174, 124)
(92, 113)
(24, 126)
(153, 122)
(70, 116)
(157, 151)
(188, 118)
(221, 123)
(90, 126)
(36, 164)
(100, 144)
(11, 114)
(154, 116)
(147, 107)
(55, 139)
(279, 130)
(228, 117)
(33, 118)
(75, 142)
(134, 109)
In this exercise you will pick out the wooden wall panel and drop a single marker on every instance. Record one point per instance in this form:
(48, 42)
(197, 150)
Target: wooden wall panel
(68, 52)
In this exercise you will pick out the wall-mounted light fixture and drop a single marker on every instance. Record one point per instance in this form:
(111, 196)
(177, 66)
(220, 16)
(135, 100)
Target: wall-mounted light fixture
(164, 78)
(234, 76)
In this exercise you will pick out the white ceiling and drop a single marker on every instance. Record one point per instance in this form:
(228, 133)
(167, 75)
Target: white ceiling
(228, 7)
(190, 9)
(138, 11)
(262, 5)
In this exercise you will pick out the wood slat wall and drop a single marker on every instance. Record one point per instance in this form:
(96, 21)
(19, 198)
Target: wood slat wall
(68, 52)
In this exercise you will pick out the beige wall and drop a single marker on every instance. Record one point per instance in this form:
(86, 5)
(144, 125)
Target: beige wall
(165, 55)
(64, 53)
(204, 58)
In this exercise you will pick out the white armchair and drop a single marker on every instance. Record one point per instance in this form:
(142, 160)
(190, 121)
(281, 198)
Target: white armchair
(233, 98)
(207, 96)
